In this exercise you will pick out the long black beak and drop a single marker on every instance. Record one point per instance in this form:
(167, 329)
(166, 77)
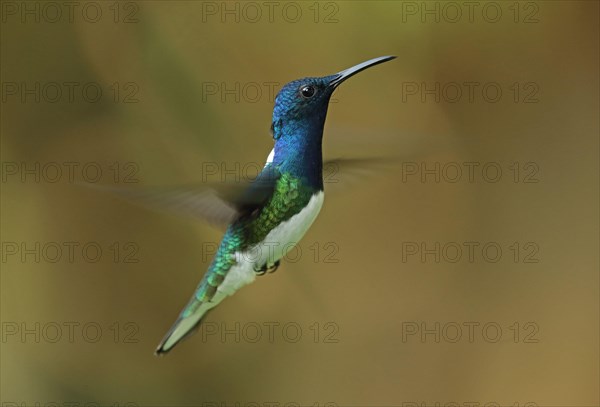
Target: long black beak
(345, 74)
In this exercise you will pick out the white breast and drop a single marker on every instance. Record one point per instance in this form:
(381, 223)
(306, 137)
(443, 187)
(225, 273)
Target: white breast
(278, 242)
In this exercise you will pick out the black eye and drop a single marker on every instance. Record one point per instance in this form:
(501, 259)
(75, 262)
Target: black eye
(308, 91)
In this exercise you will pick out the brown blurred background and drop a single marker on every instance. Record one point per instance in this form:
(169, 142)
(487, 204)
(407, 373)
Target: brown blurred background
(364, 290)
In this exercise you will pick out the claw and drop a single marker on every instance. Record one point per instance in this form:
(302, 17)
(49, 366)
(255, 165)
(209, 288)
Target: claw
(267, 268)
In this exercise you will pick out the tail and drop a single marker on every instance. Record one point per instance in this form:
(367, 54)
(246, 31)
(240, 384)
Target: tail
(187, 323)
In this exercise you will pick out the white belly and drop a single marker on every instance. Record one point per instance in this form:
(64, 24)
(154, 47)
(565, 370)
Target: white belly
(278, 242)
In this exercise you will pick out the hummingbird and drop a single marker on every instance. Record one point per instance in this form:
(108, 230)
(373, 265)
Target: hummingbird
(274, 212)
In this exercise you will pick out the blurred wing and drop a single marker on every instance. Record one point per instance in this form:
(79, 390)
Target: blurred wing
(345, 171)
(190, 200)
(253, 196)
(217, 204)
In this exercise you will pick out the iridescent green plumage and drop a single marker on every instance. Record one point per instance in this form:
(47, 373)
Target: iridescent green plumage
(289, 197)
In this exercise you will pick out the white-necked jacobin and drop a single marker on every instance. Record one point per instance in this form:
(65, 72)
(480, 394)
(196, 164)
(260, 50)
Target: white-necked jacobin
(278, 207)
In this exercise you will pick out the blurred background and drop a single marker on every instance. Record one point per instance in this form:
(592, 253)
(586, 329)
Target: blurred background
(466, 273)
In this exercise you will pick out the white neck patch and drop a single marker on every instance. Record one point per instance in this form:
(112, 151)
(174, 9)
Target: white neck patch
(270, 157)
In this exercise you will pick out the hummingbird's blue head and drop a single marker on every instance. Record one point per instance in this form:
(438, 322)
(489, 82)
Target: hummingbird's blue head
(301, 105)
(301, 102)
(298, 121)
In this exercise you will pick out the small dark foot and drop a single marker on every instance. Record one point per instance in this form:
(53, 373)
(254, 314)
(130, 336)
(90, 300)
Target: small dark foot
(267, 268)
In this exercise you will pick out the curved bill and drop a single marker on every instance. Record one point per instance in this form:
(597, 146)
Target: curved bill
(347, 73)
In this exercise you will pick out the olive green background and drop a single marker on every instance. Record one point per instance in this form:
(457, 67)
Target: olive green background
(370, 294)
